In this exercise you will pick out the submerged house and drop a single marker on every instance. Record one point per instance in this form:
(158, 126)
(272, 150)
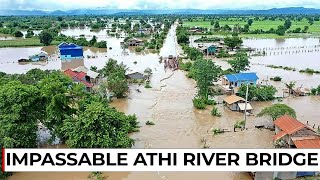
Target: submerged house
(135, 42)
(80, 77)
(70, 51)
(94, 77)
(135, 76)
(236, 103)
(42, 56)
(291, 133)
(195, 30)
(236, 80)
(209, 50)
(294, 134)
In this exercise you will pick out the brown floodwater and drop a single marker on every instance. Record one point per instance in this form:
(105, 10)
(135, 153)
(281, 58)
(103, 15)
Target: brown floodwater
(169, 105)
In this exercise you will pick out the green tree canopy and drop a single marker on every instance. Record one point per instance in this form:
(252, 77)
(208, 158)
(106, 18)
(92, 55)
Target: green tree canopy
(45, 37)
(205, 72)
(18, 34)
(58, 95)
(240, 62)
(233, 41)
(259, 93)
(99, 126)
(277, 110)
(20, 110)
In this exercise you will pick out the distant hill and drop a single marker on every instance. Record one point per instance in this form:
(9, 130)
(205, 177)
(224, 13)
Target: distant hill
(102, 11)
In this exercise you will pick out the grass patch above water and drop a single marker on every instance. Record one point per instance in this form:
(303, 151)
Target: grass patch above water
(282, 67)
(23, 42)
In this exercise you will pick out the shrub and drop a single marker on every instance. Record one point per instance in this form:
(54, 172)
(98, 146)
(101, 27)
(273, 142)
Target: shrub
(239, 124)
(215, 112)
(314, 91)
(277, 78)
(217, 131)
(199, 103)
(147, 86)
(186, 66)
(96, 176)
(150, 123)
(210, 102)
(139, 49)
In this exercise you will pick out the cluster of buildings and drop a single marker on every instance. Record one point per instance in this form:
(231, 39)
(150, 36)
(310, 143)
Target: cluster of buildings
(231, 83)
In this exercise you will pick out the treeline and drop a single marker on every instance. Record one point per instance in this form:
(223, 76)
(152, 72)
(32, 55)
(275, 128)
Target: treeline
(245, 18)
(78, 118)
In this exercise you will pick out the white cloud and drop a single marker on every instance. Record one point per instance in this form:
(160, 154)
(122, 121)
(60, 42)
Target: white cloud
(155, 4)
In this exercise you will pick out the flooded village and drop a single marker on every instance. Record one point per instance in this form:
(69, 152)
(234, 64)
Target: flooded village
(161, 93)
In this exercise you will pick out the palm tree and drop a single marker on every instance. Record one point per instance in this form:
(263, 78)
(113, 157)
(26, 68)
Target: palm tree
(290, 86)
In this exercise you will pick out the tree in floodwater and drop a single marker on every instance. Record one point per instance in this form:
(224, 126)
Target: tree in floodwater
(99, 126)
(259, 93)
(290, 86)
(240, 62)
(20, 109)
(59, 96)
(117, 84)
(116, 77)
(45, 38)
(205, 72)
(277, 110)
(233, 41)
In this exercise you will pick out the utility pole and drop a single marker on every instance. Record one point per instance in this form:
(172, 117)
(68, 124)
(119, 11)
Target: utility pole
(245, 106)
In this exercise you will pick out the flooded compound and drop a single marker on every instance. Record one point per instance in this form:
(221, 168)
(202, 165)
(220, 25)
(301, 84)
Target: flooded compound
(169, 103)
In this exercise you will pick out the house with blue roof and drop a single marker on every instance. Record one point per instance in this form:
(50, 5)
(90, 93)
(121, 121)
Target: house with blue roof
(236, 80)
(70, 51)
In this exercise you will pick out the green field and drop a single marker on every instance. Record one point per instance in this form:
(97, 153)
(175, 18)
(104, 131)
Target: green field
(23, 42)
(264, 25)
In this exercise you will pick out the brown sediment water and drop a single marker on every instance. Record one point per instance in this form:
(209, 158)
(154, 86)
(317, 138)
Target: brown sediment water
(177, 123)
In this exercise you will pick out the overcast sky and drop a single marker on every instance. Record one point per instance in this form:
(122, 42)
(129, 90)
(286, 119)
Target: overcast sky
(155, 4)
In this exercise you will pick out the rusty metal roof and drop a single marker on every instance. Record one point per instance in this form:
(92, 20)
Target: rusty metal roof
(288, 124)
(308, 143)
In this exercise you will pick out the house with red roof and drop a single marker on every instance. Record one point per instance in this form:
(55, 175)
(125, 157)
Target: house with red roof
(80, 77)
(295, 134)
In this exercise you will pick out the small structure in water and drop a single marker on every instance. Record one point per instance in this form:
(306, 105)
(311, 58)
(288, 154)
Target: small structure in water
(42, 56)
(301, 91)
(210, 49)
(70, 51)
(236, 80)
(135, 76)
(134, 42)
(236, 103)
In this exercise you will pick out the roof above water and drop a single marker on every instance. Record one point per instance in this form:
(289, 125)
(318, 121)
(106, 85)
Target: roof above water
(242, 77)
(233, 99)
(242, 106)
(288, 124)
(65, 46)
(308, 143)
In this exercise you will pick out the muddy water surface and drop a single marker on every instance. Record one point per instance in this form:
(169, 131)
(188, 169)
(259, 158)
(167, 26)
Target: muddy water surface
(177, 124)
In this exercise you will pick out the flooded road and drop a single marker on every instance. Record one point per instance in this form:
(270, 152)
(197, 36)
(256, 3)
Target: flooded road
(177, 123)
